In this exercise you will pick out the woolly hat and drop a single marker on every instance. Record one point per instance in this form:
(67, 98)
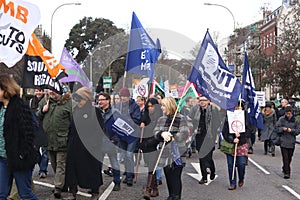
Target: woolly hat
(85, 93)
(124, 92)
(268, 105)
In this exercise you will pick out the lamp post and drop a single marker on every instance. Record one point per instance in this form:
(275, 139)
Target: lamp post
(213, 4)
(65, 4)
(91, 61)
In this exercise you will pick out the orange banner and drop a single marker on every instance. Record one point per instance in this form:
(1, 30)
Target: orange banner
(35, 48)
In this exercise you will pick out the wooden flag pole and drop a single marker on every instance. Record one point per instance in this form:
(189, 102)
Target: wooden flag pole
(164, 144)
(234, 160)
(138, 157)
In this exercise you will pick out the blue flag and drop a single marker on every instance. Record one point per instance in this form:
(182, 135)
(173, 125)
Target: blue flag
(212, 78)
(142, 51)
(249, 96)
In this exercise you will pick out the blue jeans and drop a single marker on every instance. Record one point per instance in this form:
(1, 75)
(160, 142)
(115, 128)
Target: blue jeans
(241, 168)
(110, 149)
(23, 182)
(159, 173)
(44, 160)
(128, 150)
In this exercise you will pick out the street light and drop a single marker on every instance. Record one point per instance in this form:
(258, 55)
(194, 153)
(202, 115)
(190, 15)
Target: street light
(213, 4)
(65, 4)
(91, 61)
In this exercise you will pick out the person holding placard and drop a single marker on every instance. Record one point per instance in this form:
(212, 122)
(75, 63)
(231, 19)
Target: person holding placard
(234, 131)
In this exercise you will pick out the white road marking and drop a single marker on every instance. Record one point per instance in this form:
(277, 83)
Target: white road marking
(291, 191)
(258, 166)
(199, 175)
(52, 186)
(107, 192)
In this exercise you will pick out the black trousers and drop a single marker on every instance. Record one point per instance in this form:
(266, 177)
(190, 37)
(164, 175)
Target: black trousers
(287, 155)
(207, 162)
(173, 179)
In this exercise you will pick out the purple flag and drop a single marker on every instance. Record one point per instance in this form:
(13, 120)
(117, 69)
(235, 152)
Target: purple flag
(74, 71)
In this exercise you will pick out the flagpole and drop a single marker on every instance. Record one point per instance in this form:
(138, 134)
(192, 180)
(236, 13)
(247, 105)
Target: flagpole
(164, 144)
(125, 74)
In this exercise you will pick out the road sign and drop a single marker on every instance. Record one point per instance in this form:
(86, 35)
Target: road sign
(107, 82)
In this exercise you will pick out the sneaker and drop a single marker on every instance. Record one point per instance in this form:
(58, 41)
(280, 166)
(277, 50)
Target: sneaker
(42, 175)
(202, 181)
(117, 187)
(108, 171)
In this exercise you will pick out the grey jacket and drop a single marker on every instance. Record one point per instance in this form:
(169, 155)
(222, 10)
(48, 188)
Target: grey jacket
(269, 126)
(287, 139)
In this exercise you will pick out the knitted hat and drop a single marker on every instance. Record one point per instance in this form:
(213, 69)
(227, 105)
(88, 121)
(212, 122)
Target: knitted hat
(85, 93)
(124, 92)
(268, 105)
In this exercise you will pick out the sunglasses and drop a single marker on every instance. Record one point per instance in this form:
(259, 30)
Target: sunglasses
(77, 98)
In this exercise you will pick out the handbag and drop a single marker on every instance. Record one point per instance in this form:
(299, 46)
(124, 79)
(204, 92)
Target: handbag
(227, 147)
(276, 140)
(275, 137)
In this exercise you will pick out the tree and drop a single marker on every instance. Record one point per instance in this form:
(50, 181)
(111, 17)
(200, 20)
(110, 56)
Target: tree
(286, 65)
(101, 38)
(89, 33)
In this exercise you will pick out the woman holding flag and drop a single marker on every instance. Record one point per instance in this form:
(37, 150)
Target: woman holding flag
(172, 128)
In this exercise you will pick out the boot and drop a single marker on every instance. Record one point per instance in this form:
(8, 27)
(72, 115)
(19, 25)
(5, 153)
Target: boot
(154, 186)
(148, 187)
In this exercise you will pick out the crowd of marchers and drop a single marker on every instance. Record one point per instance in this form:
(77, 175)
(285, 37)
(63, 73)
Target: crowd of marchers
(74, 131)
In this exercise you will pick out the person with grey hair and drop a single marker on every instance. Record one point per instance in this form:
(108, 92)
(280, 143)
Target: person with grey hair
(284, 103)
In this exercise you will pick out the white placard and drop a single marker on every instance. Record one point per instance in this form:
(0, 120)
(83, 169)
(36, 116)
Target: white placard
(236, 121)
(261, 98)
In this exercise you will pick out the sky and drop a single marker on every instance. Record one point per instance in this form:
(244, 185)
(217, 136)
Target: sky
(190, 18)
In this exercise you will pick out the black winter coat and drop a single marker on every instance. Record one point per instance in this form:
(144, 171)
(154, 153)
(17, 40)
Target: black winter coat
(84, 148)
(19, 136)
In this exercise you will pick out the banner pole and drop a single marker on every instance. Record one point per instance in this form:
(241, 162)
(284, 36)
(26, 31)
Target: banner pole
(164, 144)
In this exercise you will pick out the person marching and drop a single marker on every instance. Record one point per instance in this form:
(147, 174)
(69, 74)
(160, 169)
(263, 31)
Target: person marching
(241, 153)
(55, 112)
(149, 144)
(174, 135)
(83, 168)
(287, 128)
(206, 120)
(17, 159)
(269, 120)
